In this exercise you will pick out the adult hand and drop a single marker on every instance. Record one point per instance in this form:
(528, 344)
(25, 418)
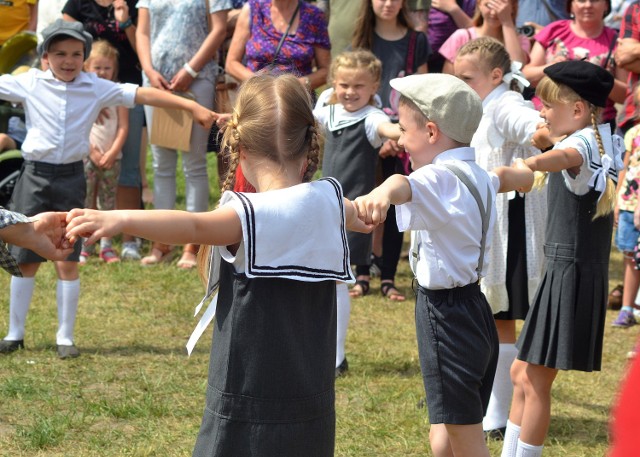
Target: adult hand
(181, 81)
(390, 148)
(157, 80)
(48, 236)
(446, 6)
(120, 10)
(627, 51)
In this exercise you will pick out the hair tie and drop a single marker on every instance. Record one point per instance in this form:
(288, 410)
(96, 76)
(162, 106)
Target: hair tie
(516, 74)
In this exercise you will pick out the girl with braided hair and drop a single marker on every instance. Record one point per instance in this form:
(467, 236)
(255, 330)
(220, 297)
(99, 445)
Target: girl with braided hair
(272, 277)
(565, 324)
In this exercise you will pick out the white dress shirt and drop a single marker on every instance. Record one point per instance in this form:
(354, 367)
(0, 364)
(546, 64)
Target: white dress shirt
(448, 218)
(59, 115)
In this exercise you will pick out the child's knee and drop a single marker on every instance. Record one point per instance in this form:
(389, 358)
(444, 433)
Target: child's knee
(439, 440)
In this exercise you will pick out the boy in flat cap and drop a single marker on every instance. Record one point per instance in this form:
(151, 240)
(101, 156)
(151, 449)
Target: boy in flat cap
(447, 203)
(61, 104)
(565, 324)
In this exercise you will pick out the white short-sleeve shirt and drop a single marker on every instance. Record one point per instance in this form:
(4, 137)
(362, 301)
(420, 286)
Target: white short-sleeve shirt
(448, 218)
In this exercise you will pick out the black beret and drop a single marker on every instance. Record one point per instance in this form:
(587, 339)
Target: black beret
(588, 80)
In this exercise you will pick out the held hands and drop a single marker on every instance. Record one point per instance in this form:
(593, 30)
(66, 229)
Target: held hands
(46, 236)
(92, 224)
(181, 81)
(372, 208)
(526, 179)
(203, 116)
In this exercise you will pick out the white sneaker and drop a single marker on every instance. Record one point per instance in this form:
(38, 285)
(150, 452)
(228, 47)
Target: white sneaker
(636, 313)
(130, 251)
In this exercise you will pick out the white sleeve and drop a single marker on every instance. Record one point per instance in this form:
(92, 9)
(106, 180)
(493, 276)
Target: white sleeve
(516, 118)
(114, 94)
(371, 123)
(13, 89)
(430, 203)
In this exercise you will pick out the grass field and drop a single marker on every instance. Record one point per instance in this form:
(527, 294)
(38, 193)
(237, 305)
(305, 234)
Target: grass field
(134, 392)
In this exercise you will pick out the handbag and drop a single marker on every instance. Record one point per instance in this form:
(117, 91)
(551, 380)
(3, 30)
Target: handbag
(171, 128)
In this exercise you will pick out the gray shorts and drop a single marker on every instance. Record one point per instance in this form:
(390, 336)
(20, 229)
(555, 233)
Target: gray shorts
(458, 350)
(47, 187)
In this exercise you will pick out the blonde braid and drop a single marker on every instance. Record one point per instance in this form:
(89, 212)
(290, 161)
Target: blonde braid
(230, 148)
(606, 202)
(313, 154)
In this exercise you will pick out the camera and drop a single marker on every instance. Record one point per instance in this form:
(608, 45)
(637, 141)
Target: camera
(526, 30)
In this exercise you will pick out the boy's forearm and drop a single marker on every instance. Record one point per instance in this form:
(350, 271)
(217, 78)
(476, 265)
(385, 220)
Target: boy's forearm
(396, 188)
(162, 99)
(520, 179)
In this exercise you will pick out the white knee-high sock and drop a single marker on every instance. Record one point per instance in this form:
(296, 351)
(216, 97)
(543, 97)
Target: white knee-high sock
(19, 301)
(528, 450)
(344, 312)
(68, 294)
(500, 401)
(511, 438)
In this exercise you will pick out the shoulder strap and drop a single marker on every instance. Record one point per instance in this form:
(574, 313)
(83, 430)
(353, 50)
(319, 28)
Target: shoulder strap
(284, 35)
(614, 40)
(485, 214)
(411, 53)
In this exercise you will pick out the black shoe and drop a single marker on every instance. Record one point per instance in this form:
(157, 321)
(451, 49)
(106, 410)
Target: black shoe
(68, 352)
(8, 346)
(497, 434)
(342, 368)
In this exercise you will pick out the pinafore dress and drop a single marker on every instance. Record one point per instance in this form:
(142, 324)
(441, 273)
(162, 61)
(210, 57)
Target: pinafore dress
(270, 389)
(352, 160)
(565, 324)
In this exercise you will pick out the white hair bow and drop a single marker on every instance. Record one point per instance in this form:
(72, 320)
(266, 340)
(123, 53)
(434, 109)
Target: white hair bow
(516, 74)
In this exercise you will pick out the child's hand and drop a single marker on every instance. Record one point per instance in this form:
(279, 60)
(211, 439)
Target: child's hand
(95, 155)
(527, 175)
(108, 159)
(223, 120)
(390, 148)
(353, 223)
(203, 116)
(372, 209)
(541, 138)
(92, 224)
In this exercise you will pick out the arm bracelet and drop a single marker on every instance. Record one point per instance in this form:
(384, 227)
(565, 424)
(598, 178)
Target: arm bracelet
(194, 74)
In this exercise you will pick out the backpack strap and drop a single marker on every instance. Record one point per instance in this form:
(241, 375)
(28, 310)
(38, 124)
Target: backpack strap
(485, 213)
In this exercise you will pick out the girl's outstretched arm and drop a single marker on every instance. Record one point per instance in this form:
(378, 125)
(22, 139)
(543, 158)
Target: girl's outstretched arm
(220, 227)
(555, 160)
(389, 130)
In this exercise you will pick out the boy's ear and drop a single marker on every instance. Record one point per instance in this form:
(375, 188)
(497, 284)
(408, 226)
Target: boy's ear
(432, 132)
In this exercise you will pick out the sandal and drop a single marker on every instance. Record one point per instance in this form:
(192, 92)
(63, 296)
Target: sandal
(388, 289)
(109, 255)
(615, 298)
(360, 289)
(159, 253)
(189, 257)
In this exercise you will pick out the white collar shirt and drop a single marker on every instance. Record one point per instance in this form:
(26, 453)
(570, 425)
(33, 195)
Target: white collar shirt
(448, 219)
(59, 115)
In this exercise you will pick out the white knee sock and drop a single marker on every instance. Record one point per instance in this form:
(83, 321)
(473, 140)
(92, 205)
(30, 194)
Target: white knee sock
(498, 409)
(528, 450)
(511, 438)
(20, 299)
(68, 294)
(344, 312)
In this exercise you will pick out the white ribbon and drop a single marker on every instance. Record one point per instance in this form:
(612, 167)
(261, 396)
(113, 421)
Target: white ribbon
(516, 74)
(598, 180)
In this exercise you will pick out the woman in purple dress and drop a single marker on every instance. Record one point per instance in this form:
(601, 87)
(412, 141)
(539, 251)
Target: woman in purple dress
(305, 50)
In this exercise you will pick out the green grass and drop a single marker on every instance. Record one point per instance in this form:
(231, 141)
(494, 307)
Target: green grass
(134, 392)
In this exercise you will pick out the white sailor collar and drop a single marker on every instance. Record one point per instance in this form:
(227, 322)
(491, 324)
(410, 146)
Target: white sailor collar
(339, 118)
(311, 250)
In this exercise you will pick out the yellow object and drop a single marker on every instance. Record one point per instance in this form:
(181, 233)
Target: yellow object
(15, 16)
(19, 50)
